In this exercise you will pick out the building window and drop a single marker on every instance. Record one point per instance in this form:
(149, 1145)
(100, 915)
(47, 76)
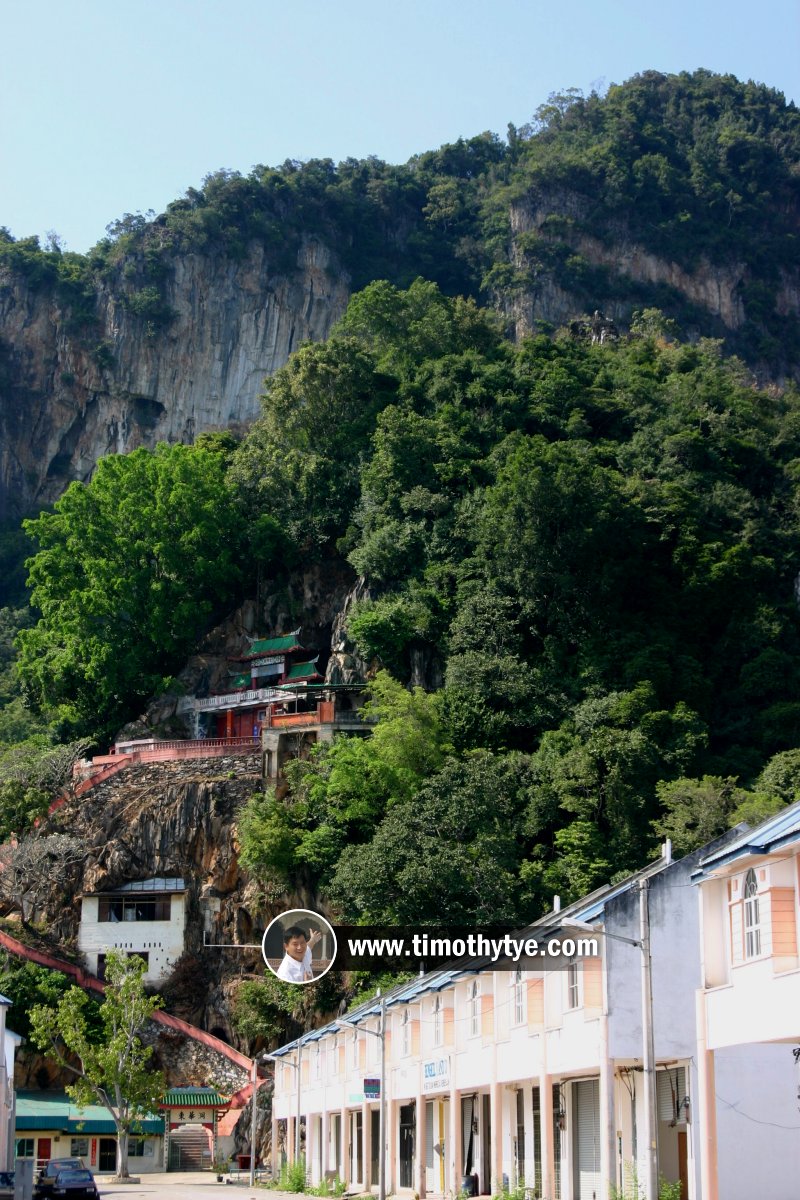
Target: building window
(119, 908)
(79, 1147)
(405, 1033)
(136, 1147)
(752, 917)
(101, 961)
(573, 986)
(518, 997)
(438, 1021)
(474, 1008)
(24, 1148)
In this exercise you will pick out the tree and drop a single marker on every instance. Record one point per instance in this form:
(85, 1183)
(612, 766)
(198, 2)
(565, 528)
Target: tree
(449, 853)
(34, 867)
(340, 793)
(697, 810)
(32, 774)
(113, 1070)
(131, 568)
(299, 461)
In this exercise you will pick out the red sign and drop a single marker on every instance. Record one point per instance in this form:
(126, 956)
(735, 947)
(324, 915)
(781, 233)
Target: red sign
(93, 1154)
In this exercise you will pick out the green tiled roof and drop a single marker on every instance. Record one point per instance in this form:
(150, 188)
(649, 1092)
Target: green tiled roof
(55, 1110)
(306, 670)
(192, 1098)
(275, 645)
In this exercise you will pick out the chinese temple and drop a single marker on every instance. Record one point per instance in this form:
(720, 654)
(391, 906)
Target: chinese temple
(263, 680)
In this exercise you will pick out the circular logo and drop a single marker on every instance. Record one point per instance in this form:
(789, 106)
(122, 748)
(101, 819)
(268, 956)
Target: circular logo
(299, 946)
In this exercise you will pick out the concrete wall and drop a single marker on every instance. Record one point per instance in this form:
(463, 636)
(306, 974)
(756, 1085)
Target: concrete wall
(161, 940)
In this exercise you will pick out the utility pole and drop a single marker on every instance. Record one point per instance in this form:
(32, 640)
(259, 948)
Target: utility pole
(254, 1081)
(380, 1033)
(649, 1060)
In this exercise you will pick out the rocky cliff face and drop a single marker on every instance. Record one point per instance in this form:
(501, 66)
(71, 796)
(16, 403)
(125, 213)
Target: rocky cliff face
(175, 818)
(626, 275)
(69, 396)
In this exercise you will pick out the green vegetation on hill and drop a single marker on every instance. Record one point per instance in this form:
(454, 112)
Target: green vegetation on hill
(588, 551)
(694, 166)
(594, 549)
(131, 569)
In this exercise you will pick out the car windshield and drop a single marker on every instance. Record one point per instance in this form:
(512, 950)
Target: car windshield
(61, 1164)
(73, 1176)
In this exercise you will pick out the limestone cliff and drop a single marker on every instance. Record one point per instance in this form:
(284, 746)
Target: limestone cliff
(175, 818)
(565, 266)
(71, 393)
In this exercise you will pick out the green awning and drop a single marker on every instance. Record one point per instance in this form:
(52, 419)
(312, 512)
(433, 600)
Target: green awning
(55, 1111)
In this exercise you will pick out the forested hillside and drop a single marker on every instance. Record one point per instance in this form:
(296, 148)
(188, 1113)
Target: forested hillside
(587, 553)
(580, 553)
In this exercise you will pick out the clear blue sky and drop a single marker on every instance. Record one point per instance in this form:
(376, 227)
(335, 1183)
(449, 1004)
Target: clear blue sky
(110, 106)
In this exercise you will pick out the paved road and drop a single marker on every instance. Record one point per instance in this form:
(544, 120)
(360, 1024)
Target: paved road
(184, 1186)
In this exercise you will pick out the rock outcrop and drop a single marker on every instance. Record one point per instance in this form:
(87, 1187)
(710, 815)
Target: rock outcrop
(553, 221)
(70, 395)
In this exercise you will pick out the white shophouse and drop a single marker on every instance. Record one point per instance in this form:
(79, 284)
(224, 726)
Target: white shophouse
(10, 1042)
(147, 917)
(750, 1003)
(533, 1078)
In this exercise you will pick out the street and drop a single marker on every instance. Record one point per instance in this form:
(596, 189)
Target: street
(182, 1186)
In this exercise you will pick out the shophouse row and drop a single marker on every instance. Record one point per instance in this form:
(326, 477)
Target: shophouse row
(535, 1079)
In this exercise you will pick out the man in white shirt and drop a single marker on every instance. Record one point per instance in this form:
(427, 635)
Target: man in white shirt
(296, 964)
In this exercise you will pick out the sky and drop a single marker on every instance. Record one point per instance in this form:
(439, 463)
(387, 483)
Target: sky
(115, 106)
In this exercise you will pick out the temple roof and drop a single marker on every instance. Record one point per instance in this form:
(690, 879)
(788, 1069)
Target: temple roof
(275, 645)
(304, 670)
(193, 1097)
(239, 679)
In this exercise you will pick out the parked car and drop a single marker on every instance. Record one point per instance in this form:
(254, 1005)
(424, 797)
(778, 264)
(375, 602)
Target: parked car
(46, 1178)
(6, 1185)
(76, 1185)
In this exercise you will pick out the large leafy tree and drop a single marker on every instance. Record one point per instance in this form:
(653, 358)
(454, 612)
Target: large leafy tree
(113, 1065)
(300, 460)
(130, 569)
(450, 853)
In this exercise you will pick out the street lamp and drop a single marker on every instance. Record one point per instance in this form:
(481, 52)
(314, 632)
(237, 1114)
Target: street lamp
(277, 1058)
(649, 1056)
(380, 1033)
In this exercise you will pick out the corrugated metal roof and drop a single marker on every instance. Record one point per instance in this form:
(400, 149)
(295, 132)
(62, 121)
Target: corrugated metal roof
(158, 883)
(768, 836)
(192, 1098)
(55, 1110)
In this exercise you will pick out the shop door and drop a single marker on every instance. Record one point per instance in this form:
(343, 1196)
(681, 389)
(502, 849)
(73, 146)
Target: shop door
(44, 1149)
(586, 1145)
(437, 1113)
(108, 1155)
(374, 1146)
(407, 1127)
(356, 1147)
